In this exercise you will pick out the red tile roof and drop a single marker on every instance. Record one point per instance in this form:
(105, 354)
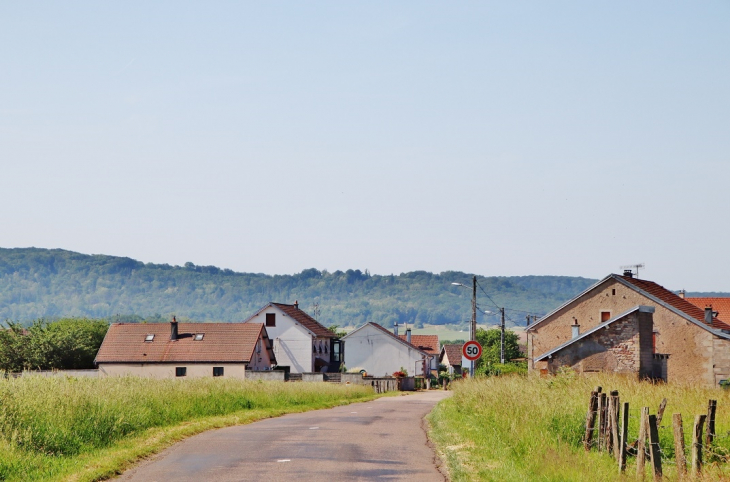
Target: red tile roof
(674, 300)
(427, 343)
(222, 342)
(453, 353)
(721, 305)
(305, 320)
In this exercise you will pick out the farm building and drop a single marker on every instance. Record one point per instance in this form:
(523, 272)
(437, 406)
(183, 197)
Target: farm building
(688, 344)
(301, 344)
(191, 350)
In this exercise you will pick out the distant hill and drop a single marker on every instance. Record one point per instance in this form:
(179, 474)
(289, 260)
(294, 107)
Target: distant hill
(37, 283)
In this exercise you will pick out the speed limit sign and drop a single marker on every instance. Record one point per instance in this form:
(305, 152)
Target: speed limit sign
(472, 350)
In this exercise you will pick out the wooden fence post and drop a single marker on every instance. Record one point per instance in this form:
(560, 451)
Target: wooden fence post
(656, 457)
(624, 435)
(601, 420)
(615, 441)
(679, 456)
(641, 447)
(697, 444)
(710, 435)
(590, 420)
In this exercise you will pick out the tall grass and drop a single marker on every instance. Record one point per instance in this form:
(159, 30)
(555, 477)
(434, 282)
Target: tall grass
(515, 429)
(46, 422)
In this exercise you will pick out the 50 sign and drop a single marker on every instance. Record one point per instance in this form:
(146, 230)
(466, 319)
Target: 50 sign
(472, 350)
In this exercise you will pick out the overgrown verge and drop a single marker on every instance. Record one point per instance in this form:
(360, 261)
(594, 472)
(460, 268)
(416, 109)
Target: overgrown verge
(88, 429)
(514, 428)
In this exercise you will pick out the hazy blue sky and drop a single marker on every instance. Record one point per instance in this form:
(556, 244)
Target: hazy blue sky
(504, 138)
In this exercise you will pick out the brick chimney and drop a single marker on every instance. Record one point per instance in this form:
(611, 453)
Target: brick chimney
(682, 294)
(173, 329)
(628, 273)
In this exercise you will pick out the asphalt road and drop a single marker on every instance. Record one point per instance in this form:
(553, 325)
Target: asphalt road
(382, 439)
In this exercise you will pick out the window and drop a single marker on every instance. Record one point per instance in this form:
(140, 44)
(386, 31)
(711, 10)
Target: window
(217, 371)
(605, 316)
(613, 292)
(270, 319)
(180, 371)
(149, 337)
(199, 336)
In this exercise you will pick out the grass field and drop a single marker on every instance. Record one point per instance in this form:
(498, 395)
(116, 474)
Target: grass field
(517, 429)
(89, 429)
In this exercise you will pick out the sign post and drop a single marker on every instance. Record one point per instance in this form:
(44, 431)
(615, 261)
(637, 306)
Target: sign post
(472, 351)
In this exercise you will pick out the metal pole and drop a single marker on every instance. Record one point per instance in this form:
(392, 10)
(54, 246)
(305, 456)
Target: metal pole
(501, 339)
(473, 319)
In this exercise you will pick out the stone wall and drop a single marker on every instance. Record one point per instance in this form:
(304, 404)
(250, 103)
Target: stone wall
(616, 348)
(267, 375)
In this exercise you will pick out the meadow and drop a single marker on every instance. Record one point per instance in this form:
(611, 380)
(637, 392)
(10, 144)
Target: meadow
(84, 429)
(515, 428)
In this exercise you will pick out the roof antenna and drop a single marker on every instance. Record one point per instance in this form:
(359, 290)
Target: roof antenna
(632, 270)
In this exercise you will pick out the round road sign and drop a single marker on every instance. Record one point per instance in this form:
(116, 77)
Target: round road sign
(472, 350)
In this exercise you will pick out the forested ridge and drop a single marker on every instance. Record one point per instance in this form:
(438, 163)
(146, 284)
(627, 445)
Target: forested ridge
(50, 283)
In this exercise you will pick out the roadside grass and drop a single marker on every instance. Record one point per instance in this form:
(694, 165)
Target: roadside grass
(514, 428)
(85, 429)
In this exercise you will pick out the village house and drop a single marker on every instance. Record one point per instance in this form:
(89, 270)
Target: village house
(382, 353)
(184, 350)
(451, 356)
(720, 306)
(606, 328)
(301, 344)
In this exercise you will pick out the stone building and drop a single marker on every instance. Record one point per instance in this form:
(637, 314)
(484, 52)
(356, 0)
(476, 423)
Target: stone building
(689, 344)
(622, 344)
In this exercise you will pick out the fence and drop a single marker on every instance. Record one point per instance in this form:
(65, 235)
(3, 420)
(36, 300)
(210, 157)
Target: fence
(604, 433)
(55, 373)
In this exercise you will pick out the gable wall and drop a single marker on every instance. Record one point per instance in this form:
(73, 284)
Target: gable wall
(689, 346)
(292, 342)
(380, 354)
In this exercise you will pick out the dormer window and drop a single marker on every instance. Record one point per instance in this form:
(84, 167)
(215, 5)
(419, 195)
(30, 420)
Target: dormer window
(199, 336)
(149, 337)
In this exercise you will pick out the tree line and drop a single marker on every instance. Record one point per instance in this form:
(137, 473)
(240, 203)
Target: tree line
(64, 344)
(41, 283)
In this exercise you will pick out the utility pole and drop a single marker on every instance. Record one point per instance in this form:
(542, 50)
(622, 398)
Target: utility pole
(473, 330)
(501, 338)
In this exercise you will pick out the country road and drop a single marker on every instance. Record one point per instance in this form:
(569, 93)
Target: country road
(384, 438)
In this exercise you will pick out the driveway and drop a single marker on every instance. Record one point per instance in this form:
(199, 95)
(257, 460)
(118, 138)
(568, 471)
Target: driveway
(381, 439)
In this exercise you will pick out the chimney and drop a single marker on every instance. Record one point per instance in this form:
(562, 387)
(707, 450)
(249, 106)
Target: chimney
(408, 335)
(395, 328)
(173, 329)
(296, 304)
(708, 315)
(682, 293)
(628, 273)
(576, 330)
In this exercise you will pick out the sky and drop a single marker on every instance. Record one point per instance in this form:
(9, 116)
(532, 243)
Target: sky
(497, 138)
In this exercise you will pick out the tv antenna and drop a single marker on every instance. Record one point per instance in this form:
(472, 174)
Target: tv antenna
(633, 268)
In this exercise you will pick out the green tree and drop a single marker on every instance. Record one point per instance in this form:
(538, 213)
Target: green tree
(490, 341)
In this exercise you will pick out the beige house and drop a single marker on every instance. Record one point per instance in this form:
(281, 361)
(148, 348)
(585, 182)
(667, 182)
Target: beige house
(184, 350)
(451, 357)
(688, 344)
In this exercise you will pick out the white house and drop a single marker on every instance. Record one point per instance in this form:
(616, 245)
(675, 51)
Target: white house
(301, 344)
(380, 352)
